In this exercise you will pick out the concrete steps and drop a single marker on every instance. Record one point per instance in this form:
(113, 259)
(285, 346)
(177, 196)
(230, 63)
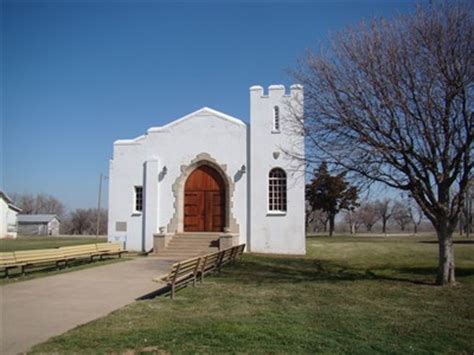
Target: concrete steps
(188, 245)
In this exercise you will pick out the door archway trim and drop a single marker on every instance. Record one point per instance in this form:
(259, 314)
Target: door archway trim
(176, 224)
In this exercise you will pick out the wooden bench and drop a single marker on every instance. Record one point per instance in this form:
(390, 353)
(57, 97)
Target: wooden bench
(182, 273)
(8, 261)
(210, 263)
(27, 258)
(59, 256)
(105, 249)
(86, 251)
(187, 271)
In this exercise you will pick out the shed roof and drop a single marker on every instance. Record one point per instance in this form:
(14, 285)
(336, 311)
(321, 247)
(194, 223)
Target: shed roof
(36, 218)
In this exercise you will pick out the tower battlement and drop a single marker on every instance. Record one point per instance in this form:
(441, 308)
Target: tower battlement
(275, 91)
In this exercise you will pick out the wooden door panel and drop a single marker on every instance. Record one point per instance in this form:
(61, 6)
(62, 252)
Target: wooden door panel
(217, 214)
(193, 211)
(204, 207)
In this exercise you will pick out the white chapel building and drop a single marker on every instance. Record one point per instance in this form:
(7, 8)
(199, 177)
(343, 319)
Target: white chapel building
(211, 174)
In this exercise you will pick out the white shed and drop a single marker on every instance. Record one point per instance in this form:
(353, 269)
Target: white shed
(8, 217)
(38, 224)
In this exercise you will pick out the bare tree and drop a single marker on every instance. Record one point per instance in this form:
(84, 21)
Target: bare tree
(392, 102)
(316, 220)
(40, 203)
(416, 214)
(368, 215)
(384, 210)
(352, 218)
(349, 219)
(357, 221)
(84, 221)
(401, 215)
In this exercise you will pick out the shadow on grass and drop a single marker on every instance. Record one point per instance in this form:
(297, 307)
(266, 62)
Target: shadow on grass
(454, 241)
(267, 270)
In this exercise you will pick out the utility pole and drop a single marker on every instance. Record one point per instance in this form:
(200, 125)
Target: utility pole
(98, 207)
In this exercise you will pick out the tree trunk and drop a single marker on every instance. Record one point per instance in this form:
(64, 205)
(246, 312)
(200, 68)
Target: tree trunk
(384, 226)
(446, 257)
(332, 217)
(415, 229)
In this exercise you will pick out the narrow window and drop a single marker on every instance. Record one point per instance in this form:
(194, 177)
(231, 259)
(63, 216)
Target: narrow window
(138, 198)
(277, 190)
(276, 119)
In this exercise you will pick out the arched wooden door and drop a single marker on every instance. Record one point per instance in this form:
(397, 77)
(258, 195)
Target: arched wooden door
(204, 201)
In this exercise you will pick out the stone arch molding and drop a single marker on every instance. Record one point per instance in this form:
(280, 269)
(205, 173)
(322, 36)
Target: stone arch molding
(176, 224)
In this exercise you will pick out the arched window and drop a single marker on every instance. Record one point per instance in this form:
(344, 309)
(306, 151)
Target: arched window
(276, 119)
(277, 190)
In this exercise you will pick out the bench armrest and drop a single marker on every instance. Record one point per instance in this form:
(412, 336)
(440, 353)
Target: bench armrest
(162, 278)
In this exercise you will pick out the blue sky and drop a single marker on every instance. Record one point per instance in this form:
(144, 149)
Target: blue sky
(78, 75)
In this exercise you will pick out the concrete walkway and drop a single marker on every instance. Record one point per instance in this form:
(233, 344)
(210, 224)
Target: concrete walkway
(35, 310)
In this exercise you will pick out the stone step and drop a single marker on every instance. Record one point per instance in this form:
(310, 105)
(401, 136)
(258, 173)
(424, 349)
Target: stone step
(192, 242)
(188, 245)
(189, 250)
(199, 234)
(179, 255)
(194, 239)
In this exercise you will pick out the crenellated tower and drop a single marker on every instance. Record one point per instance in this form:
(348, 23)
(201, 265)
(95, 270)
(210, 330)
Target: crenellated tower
(276, 194)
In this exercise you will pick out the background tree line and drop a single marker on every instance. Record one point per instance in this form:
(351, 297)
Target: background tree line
(79, 221)
(328, 195)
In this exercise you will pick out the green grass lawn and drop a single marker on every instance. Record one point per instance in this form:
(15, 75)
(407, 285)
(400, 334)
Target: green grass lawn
(39, 242)
(351, 295)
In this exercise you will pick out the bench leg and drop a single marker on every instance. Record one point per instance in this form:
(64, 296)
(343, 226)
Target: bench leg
(172, 291)
(23, 270)
(6, 272)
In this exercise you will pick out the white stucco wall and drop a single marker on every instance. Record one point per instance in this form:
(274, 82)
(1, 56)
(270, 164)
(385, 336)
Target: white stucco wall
(276, 232)
(174, 145)
(53, 227)
(3, 218)
(126, 172)
(142, 162)
(8, 220)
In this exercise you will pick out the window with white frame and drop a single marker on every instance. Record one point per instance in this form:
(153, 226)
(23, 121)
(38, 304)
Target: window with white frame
(138, 198)
(276, 119)
(277, 190)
